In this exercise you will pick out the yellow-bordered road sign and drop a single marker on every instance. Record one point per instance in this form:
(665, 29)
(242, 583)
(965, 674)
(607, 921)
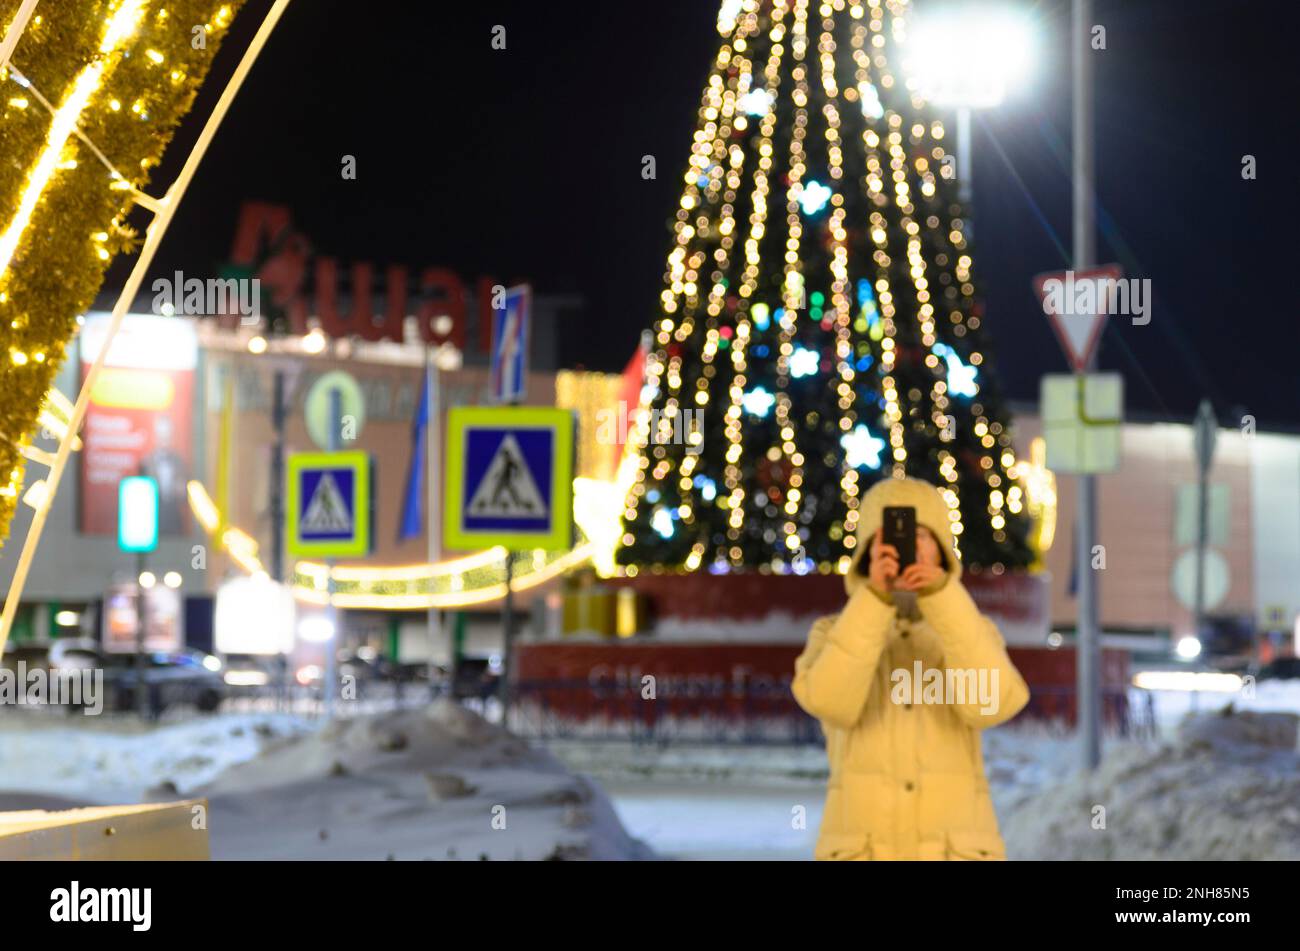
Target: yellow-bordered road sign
(509, 478)
(329, 504)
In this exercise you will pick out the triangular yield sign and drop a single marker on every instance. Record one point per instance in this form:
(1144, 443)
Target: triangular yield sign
(327, 513)
(507, 489)
(1075, 302)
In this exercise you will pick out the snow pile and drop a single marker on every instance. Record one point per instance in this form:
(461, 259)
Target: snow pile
(94, 760)
(1022, 758)
(432, 783)
(1170, 706)
(1225, 787)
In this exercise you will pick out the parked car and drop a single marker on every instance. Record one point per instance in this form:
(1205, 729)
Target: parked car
(474, 678)
(1281, 668)
(171, 678)
(366, 665)
(252, 674)
(33, 656)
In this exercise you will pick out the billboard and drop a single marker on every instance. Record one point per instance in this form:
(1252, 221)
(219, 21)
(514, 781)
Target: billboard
(140, 419)
(255, 615)
(164, 619)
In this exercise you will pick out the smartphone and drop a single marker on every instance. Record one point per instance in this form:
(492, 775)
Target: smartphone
(899, 530)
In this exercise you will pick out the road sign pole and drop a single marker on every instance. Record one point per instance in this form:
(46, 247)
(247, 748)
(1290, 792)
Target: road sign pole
(279, 411)
(509, 485)
(507, 638)
(137, 532)
(1202, 518)
(965, 164)
(330, 684)
(1087, 646)
(141, 695)
(432, 455)
(1206, 431)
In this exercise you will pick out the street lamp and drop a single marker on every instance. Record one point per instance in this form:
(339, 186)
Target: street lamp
(966, 58)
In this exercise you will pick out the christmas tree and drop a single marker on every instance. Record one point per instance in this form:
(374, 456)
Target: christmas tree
(819, 327)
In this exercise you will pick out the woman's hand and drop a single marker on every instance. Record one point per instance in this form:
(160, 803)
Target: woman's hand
(883, 568)
(918, 576)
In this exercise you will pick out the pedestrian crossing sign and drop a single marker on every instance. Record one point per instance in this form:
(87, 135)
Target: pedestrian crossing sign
(509, 478)
(329, 504)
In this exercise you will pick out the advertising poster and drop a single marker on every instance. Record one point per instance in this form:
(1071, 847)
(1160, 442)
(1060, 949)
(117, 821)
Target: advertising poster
(164, 621)
(139, 421)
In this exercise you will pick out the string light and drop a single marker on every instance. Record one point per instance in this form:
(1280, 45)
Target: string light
(120, 25)
(473, 579)
(69, 205)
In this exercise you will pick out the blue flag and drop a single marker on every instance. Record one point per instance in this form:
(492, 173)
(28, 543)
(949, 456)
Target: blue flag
(413, 508)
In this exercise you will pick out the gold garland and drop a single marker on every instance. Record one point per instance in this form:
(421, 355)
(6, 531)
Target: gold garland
(121, 74)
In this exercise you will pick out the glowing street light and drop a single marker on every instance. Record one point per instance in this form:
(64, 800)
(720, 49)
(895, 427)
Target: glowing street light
(966, 58)
(316, 628)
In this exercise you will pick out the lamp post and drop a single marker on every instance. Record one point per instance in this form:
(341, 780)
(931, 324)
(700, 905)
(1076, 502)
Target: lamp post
(137, 532)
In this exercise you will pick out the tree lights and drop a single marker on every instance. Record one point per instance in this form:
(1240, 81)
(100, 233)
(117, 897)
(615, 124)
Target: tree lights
(818, 228)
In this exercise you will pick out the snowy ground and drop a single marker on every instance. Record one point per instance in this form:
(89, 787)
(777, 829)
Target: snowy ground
(710, 802)
(425, 783)
(429, 783)
(117, 759)
(1167, 797)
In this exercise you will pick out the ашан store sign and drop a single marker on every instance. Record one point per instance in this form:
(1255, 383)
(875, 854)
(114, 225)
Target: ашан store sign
(297, 283)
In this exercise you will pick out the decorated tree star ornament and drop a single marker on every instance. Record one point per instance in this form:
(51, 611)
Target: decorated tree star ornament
(961, 378)
(756, 102)
(804, 362)
(861, 449)
(758, 402)
(814, 197)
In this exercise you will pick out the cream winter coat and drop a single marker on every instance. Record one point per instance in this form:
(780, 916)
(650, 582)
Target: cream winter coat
(907, 778)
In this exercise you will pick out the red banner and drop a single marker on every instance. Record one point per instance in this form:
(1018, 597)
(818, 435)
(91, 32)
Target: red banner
(1018, 602)
(615, 681)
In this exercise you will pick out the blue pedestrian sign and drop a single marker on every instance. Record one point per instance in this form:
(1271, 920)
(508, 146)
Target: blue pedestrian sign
(510, 335)
(329, 504)
(509, 478)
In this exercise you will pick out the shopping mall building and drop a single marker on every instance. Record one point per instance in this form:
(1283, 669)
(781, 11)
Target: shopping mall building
(192, 401)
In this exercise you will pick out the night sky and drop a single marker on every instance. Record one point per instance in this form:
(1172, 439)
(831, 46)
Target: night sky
(527, 163)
